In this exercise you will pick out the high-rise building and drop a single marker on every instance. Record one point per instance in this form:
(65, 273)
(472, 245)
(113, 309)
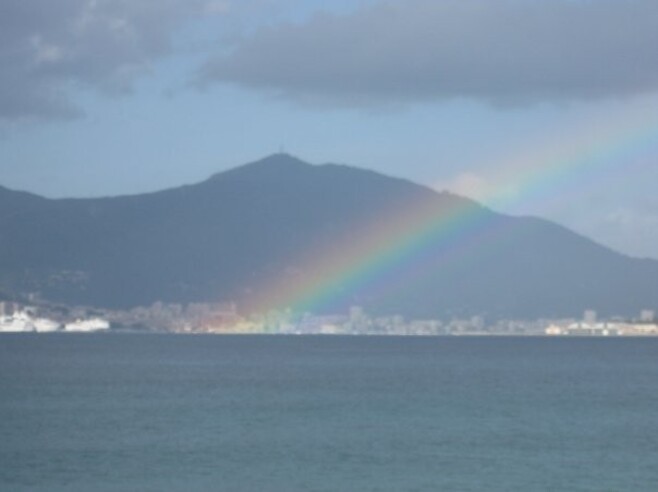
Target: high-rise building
(7, 308)
(589, 316)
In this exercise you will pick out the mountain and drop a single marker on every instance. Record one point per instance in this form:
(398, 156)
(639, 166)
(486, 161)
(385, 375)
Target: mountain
(280, 224)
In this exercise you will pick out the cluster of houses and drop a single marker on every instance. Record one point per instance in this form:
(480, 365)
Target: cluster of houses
(589, 326)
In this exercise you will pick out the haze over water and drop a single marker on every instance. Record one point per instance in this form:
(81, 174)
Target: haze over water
(164, 412)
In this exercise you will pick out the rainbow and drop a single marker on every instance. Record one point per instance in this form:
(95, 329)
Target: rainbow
(395, 253)
(589, 154)
(350, 264)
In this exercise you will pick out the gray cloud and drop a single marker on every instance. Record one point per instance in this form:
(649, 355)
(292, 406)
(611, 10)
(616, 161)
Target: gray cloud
(501, 51)
(49, 47)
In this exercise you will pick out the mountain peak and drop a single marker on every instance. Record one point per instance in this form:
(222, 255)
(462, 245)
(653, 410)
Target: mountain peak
(280, 159)
(272, 164)
(278, 162)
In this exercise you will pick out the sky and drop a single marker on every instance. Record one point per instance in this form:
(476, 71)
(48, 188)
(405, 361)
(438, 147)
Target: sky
(533, 107)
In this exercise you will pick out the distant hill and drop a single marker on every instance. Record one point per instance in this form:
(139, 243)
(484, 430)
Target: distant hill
(265, 224)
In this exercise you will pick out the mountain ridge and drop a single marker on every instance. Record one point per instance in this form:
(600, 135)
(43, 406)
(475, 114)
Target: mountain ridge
(225, 237)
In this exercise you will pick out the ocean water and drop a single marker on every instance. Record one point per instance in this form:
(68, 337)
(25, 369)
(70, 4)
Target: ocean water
(312, 413)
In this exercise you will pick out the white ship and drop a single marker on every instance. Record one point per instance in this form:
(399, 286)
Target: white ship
(44, 325)
(87, 325)
(22, 322)
(19, 322)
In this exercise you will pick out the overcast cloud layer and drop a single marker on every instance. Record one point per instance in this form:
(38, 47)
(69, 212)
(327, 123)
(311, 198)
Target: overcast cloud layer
(502, 51)
(49, 47)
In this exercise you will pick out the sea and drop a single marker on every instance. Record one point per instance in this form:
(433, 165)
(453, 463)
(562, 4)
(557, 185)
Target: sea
(130, 412)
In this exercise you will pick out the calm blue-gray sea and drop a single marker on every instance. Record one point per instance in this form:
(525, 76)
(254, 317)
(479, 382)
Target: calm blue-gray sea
(312, 413)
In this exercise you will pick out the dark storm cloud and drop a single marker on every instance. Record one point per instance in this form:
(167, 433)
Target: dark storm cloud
(502, 51)
(49, 47)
